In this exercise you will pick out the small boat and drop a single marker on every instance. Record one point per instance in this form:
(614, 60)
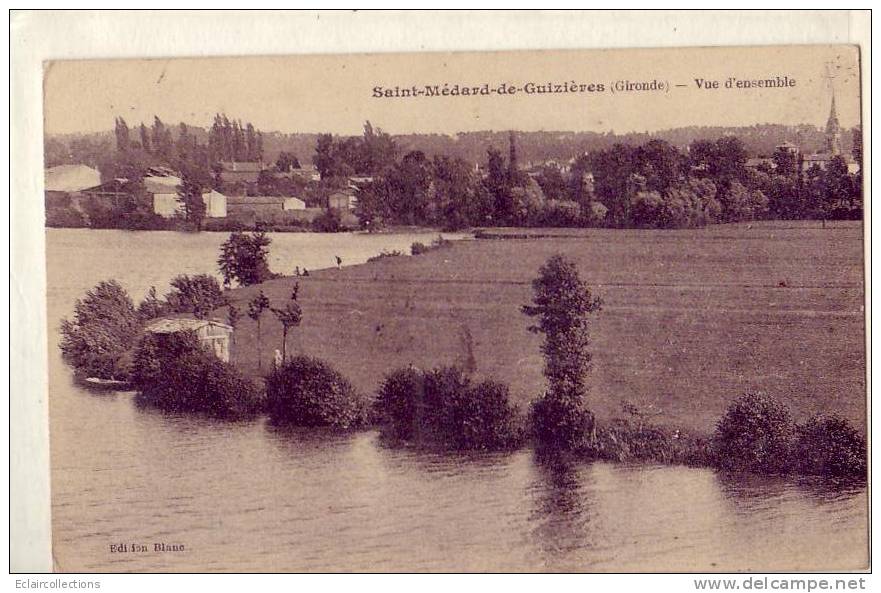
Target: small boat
(106, 384)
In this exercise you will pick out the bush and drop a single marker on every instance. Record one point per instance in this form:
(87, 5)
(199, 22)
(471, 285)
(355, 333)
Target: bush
(830, 446)
(65, 217)
(483, 418)
(228, 224)
(385, 254)
(755, 434)
(418, 248)
(104, 328)
(307, 391)
(400, 397)
(443, 408)
(329, 221)
(174, 373)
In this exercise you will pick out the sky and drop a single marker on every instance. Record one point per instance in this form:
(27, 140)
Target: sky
(335, 93)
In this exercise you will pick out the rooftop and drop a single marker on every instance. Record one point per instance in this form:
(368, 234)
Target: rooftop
(171, 325)
(71, 178)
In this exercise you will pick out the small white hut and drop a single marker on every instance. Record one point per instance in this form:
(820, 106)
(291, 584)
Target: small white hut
(212, 334)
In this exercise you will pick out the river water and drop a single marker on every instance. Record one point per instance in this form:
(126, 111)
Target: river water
(249, 497)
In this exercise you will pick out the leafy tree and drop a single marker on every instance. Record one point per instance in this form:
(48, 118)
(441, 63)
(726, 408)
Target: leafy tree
(408, 184)
(290, 317)
(660, 163)
(323, 158)
(104, 328)
(255, 311)
(580, 186)
(190, 195)
(552, 183)
(562, 304)
(243, 258)
(378, 149)
(785, 161)
(614, 174)
(839, 184)
(452, 200)
(857, 148)
(199, 295)
(784, 197)
(286, 161)
(497, 183)
(513, 167)
(741, 203)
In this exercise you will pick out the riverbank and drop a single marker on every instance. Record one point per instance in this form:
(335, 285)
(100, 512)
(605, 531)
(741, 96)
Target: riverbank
(692, 319)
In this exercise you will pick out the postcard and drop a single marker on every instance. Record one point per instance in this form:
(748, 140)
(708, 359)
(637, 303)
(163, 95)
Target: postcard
(514, 311)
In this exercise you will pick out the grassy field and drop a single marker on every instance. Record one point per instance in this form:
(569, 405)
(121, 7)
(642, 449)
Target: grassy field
(692, 318)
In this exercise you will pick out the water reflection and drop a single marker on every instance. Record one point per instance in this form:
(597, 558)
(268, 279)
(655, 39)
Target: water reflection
(748, 492)
(561, 498)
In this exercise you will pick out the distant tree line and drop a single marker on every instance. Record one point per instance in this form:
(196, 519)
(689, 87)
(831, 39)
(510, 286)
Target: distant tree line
(471, 147)
(653, 185)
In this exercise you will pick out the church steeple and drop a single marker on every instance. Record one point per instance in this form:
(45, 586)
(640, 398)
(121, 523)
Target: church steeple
(833, 130)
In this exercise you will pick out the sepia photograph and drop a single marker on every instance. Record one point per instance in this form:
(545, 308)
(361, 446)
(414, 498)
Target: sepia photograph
(501, 311)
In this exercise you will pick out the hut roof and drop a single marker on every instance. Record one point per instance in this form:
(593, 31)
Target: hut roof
(171, 325)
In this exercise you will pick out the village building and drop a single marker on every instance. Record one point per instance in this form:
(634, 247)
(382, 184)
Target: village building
(64, 183)
(305, 172)
(164, 197)
(271, 209)
(160, 187)
(760, 163)
(356, 182)
(342, 201)
(241, 171)
(212, 334)
(169, 205)
(70, 178)
(293, 204)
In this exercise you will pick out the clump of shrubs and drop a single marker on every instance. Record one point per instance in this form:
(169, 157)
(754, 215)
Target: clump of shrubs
(757, 434)
(829, 446)
(385, 254)
(443, 408)
(328, 221)
(174, 373)
(306, 391)
(418, 248)
(626, 442)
